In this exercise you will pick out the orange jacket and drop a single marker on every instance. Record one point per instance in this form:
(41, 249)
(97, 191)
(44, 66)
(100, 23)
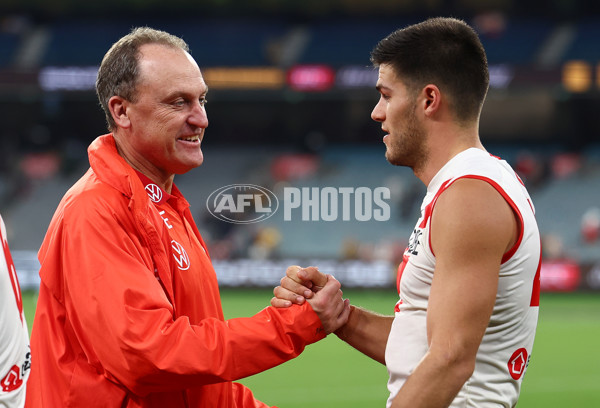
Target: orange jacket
(110, 329)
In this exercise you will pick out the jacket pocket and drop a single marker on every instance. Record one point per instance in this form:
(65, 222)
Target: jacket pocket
(91, 389)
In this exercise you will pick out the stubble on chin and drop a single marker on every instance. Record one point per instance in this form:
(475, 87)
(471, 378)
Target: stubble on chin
(410, 152)
(407, 147)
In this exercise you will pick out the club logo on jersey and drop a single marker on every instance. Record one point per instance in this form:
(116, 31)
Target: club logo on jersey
(154, 192)
(414, 242)
(12, 380)
(180, 255)
(517, 364)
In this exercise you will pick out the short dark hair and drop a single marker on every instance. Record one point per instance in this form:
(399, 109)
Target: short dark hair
(119, 70)
(445, 52)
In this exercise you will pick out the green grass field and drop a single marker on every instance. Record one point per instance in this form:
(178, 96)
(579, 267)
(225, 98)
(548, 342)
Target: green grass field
(564, 369)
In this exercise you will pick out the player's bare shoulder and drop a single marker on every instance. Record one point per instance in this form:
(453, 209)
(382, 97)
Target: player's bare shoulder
(472, 212)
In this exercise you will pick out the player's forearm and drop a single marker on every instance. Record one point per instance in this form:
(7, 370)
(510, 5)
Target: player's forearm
(435, 382)
(367, 332)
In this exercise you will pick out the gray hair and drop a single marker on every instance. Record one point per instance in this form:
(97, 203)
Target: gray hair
(119, 70)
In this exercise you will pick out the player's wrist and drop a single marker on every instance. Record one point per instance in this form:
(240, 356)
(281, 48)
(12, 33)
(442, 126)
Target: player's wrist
(344, 331)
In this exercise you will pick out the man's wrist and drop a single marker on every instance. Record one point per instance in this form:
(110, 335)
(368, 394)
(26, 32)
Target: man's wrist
(344, 331)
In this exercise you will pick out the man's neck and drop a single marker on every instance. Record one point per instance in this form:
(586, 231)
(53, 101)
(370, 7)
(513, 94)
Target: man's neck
(443, 146)
(140, 164)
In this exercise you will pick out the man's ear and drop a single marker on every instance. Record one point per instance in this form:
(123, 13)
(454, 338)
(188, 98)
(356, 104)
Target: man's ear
(432, 98)
(118, 108)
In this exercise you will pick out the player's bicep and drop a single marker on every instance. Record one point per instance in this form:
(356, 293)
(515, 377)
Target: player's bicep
(472, 226)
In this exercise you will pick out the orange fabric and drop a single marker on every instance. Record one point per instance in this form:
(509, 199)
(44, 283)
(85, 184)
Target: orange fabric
(111, 326)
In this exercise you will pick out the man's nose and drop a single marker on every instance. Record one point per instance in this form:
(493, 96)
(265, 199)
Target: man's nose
(198, 116)
(378, 113)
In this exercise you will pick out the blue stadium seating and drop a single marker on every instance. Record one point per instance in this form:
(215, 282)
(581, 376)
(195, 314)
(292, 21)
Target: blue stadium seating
(228, 42)
(586, 45)
(245, 42)
(9, 44)
(519, 43)
(212, 42)
(345, 42)
(80, 42)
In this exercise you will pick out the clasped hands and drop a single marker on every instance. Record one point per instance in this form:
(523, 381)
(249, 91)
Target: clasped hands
(323, 293)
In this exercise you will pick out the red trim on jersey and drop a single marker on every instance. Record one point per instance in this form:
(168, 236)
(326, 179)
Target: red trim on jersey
(530, 205)
(397, 306)
(429, 208)
(12, 274)
(401, 270)
(429, 211)
(519, 178)
(535, 291)
(514, 248)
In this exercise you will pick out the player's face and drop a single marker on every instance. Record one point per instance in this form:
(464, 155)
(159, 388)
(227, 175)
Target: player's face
(405, 138)
(168, 118)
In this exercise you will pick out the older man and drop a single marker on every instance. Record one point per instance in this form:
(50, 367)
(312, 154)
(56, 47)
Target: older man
(129, 313)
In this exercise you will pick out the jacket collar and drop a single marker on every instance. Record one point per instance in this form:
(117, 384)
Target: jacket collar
(113, 170)
(156, 193)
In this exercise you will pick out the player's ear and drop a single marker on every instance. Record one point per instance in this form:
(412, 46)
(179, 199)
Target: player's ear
(118, 108)
(432, 99)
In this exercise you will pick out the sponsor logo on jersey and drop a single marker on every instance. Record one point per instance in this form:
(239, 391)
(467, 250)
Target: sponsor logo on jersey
(414, 241)
(180, 255)
(14, 378)
(517, 363)
(154, 192)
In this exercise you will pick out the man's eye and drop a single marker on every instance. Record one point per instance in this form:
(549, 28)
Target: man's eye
(203, 101)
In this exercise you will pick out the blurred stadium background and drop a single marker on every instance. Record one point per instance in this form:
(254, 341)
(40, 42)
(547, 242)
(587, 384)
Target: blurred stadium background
(291, 92)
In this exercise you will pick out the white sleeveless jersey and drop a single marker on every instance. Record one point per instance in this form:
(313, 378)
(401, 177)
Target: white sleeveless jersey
(15, 356)
(506, 347)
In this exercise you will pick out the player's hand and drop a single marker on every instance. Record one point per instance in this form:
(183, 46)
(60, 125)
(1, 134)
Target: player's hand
(333, 310)
(298, 285)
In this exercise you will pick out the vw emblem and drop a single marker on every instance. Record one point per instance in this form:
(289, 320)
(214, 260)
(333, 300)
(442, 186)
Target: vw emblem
(180, 255)
(154, 192)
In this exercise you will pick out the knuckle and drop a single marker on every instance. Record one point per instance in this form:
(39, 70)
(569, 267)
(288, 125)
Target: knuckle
(292, 269)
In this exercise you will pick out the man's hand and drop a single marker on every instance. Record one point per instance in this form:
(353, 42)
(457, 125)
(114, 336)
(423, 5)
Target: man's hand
(323, 292)
(333, 310)
(298, 285)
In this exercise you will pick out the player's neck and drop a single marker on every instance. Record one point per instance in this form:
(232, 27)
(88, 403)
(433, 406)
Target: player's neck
(443, 145)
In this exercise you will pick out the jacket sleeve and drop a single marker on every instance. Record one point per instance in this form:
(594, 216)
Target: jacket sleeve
(244, 398)
(124, 323)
